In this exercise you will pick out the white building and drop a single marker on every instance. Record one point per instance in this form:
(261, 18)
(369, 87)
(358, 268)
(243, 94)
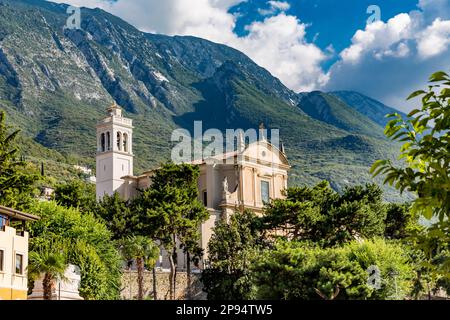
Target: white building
(234, 181)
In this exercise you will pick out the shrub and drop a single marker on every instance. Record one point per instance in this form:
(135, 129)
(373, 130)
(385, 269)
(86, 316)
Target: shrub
(90, 247)
(298, 270)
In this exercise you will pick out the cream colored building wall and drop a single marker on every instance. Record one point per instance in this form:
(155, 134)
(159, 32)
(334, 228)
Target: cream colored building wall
(13, 286)
(207, 229)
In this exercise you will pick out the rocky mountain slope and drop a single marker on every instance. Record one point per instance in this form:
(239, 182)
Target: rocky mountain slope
(55, 83)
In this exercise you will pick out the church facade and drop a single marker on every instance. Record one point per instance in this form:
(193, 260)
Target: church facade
(230, 182)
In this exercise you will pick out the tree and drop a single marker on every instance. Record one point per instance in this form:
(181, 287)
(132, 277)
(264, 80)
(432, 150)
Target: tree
(90, 247)
(150, 262)
(141, 250)
(426, 171)
(48, 257)
(400, 222)
(119, 215)
(15, 185)
(171, 212)
(300, 270)
(230, 250)
(321, 215)
(76, 194)
(426, 150)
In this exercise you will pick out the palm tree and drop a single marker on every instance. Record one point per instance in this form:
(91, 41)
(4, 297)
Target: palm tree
(143, 251)
(150, 261)
(48, 257)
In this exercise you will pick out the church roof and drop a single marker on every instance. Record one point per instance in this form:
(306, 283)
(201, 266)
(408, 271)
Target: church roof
(232, 154)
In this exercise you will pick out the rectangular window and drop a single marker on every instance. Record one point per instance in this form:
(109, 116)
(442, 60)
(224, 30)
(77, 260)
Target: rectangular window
(205, 198)
(19, 263)
(3, 221)
(2, 257)
(265, 187)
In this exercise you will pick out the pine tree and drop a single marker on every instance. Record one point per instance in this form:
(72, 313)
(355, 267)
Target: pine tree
(15, 184)
(171, 212)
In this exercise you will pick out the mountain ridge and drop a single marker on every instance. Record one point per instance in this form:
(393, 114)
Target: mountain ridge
(66, 78)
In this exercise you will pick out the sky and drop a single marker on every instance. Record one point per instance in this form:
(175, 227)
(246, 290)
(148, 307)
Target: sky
(382, 48)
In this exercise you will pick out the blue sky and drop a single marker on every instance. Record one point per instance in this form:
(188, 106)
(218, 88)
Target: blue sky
(328, 22)
(313, 44)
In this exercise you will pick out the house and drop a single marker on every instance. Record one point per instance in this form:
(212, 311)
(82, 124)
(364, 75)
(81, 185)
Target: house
(13, 254)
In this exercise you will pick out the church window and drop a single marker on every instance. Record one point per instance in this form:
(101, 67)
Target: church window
(102, 142)
(119, 141)
(108, 140)
(265, 186)
(205, 197)
(125, 142)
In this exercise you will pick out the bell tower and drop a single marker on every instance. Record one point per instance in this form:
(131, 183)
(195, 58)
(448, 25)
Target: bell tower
(114, 152)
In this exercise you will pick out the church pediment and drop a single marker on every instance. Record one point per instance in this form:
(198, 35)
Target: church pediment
(265, 152)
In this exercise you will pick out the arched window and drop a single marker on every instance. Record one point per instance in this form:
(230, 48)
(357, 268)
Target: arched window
(108, 140)
(125, 142)
(119, 141)
(102, 142)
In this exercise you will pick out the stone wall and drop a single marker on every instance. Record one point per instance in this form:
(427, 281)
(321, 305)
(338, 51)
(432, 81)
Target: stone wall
(130, 288)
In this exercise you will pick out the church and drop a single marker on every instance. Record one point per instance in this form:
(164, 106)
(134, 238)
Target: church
(245, 178)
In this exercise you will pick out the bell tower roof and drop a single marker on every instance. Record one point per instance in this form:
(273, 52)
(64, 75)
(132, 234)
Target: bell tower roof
(114, 110)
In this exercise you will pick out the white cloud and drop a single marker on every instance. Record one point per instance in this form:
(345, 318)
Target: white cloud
(274, 7)
(389, 60)
(378, 37)
(435, 39)
(280, 5)
(386, 60)
(278, 43)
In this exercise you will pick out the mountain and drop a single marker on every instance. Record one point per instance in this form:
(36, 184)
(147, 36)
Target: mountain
(330, 109)
(55, 84)
(371, 108)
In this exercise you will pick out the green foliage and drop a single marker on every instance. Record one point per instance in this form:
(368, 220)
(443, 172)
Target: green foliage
(142, 250)
(303, 247)
(295, 270)
(230, 250)
(171, 213)
(122, 220)
(48, 256)
(76, 194)
(15, 184)
(400, 221)
(432, 256)
(169, 208)
(90, 247)
(321, 215)
(426, 151)
(134, 247)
